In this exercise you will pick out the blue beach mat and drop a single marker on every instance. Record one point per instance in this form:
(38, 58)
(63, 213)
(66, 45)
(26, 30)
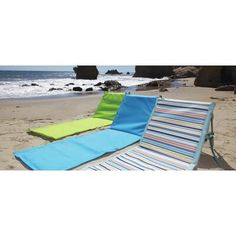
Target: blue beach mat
(127, 128)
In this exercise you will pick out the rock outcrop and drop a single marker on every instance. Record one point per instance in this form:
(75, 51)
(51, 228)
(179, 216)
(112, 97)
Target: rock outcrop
(154, 83)
(86, 72)
(113, 72)
(225, 88)
(215, 76)
(153, 71)
(112, 85)
(186, 71)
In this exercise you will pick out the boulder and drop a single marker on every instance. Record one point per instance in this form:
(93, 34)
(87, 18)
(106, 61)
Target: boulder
(69, 84)
(186, 71)
(162, 89)
(24, 85)
(34, 84)
(89, 89)
(112, 85)
(52, 89)
(104, 88)
(225, 88)
(154, 83)
(153, 71)
(98, 84)
(128, 73)
(77, 89)
(86, 72)
(113, 72)
(215, 76)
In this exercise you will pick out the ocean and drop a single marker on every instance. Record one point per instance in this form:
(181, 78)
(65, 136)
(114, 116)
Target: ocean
(37, 84)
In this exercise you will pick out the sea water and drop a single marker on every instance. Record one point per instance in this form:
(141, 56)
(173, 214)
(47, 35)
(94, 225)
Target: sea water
(19, 84)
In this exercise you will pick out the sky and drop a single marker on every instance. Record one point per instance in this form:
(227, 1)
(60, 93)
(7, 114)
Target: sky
(102, 69)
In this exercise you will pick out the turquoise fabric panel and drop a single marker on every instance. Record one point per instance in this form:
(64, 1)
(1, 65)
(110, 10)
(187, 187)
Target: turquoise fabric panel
(72, 152)
(134, 114)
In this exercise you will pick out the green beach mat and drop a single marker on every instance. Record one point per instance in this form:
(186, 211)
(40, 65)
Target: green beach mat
(104, 115)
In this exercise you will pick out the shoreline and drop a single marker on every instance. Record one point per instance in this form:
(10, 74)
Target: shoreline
(41, 90)
(49, 97)
(17, 116)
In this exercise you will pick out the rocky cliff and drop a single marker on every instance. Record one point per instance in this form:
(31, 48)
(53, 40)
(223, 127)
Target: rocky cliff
(153, 71)
(214, 76)
(86, 72)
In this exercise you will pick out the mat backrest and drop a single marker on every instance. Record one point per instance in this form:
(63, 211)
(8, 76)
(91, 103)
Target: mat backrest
(177, 129)
(109, 105)
(134, 113)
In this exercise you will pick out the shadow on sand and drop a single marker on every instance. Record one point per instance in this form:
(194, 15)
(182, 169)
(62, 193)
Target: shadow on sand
(206, 162)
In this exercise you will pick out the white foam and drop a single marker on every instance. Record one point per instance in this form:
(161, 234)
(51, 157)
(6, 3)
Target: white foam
(14, 89)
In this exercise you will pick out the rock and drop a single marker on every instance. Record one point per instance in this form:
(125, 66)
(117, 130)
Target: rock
(153, 71)
(215, 76)
(77, 89)
(109, 85)
(113, 72)
(52, 89)
(69, 84)
(51, 84)
(162, 89)
(24, 85)
(89, 89)
(186, 71)
(112, 85)
(154, 83)
(34, 84)
(225, 88)
(104, 88)
(128, 73)
(98, 84)
(86, 72)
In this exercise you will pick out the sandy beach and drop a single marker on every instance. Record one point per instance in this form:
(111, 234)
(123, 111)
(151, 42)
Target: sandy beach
(17, 116)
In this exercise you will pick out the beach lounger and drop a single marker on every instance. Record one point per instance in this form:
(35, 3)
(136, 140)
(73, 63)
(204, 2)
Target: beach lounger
(127, 128)
(173, 139)
(104, 115)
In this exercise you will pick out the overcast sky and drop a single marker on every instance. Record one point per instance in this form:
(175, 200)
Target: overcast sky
(102, 69)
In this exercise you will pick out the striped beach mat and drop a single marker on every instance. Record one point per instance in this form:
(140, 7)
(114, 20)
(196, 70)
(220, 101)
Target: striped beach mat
(104, 115)
(127, 128)
(173, 139)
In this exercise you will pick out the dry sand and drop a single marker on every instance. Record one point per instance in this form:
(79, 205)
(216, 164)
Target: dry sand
(17, 116)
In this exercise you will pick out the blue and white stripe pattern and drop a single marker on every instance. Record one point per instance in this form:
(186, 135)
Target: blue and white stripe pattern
(173, 139)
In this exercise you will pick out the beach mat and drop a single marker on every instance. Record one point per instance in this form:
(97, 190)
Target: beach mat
(173, 139)
(127, 128)
(104, 115)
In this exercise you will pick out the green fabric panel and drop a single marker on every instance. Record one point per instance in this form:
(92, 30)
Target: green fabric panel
(104, 115)
(109, 105)
(57, 131)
